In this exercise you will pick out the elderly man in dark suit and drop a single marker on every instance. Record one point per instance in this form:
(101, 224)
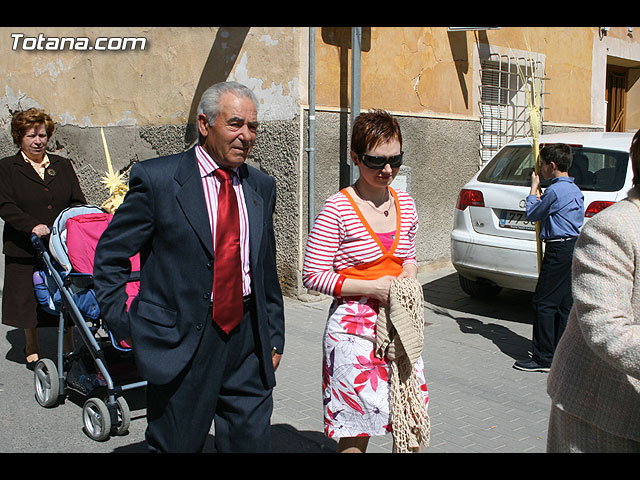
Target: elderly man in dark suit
(208, 341)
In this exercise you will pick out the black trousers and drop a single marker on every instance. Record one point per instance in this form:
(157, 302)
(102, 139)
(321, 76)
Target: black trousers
(221, 385)
(552, 300)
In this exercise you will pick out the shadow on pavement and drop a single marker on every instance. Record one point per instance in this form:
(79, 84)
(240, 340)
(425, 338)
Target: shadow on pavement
(510, 305)
(484, 317)
(284, 439)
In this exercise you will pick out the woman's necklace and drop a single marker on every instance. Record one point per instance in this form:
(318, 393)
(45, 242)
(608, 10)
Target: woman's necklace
(385, 212)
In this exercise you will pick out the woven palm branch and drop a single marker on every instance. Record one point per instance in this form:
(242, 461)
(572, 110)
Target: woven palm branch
(112, 181)
(533, 92)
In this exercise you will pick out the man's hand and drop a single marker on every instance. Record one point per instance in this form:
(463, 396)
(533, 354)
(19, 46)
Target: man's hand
(276, 357)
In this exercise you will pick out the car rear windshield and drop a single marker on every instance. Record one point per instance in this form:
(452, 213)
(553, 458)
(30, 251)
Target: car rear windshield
(593, 169)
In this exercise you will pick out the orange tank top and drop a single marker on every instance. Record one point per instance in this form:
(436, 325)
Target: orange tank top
(388, 263)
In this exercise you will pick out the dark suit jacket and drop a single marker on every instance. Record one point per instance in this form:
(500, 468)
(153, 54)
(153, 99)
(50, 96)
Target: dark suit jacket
(165, 219)
(26, 200)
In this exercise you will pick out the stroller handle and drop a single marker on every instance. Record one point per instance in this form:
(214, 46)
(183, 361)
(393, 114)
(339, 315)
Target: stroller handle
(37, 242)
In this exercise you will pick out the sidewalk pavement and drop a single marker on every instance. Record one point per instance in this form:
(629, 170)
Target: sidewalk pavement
(478, 402)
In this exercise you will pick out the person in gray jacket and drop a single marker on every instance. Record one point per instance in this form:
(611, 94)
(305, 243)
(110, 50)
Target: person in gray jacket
(594, 383)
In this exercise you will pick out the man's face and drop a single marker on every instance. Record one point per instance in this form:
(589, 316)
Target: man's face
(230, 139)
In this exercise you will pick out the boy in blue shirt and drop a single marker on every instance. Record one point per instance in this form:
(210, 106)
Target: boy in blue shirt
(561, 210)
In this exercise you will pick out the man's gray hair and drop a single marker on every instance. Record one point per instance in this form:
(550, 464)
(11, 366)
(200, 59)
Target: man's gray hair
(210, 100)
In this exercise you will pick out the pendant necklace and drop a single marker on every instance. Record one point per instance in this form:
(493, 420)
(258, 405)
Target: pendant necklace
(385, 212)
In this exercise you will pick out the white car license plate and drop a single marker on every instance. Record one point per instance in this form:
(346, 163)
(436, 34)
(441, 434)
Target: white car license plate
(516, 220)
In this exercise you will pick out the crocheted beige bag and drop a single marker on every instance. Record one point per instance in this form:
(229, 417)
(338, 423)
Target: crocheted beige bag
(399, 338)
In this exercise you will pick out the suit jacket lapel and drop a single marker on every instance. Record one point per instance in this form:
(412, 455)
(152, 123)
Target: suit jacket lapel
(255, 209)
(190, 197)
(51, 171)
(26, 169)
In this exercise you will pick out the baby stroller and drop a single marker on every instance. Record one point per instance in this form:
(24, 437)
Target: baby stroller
(100, 368)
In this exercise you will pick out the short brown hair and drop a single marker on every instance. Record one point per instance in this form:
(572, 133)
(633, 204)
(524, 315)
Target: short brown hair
(634, 152)
(23, 121)
(372, 129)
(558, 153)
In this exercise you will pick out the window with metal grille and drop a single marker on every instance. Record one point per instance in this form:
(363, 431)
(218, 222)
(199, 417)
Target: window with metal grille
(504, 104)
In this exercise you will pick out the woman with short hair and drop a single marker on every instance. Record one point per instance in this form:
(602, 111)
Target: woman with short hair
(35, 186)
(361, 241)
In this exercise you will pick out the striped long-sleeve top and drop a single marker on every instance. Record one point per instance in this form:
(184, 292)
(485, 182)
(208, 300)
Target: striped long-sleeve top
(340, 240)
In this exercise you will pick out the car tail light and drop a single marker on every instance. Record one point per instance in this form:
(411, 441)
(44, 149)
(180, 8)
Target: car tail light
(596, 207)
(469, 197)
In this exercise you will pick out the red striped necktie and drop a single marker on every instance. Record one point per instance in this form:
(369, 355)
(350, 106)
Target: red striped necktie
(227, 281)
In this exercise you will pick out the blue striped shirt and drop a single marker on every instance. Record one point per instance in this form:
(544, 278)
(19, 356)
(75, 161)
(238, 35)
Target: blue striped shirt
(560, 209)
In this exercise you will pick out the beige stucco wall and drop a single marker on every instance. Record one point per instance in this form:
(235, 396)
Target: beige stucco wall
(146, 99)
(151, 86)
(430, 70)
(427, 76)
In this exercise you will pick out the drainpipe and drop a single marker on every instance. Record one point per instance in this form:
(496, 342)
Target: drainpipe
(356, 49)
(311, 149)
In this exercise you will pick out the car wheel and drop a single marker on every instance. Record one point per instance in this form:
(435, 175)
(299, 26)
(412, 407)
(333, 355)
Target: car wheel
(482, 289)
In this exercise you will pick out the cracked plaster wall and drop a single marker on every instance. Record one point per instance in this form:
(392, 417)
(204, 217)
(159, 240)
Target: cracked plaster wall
(146, 102)
(427, 76)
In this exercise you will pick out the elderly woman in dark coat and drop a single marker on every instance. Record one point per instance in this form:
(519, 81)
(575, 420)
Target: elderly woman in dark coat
(34, 188)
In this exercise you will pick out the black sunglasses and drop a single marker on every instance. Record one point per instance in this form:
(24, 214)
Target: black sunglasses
(379, 162)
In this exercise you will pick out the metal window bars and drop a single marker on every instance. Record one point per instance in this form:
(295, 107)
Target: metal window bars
(506, 90)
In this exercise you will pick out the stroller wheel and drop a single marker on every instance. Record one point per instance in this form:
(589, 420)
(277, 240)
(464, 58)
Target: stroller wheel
(124, 417)
(46, 382)
(97, 422)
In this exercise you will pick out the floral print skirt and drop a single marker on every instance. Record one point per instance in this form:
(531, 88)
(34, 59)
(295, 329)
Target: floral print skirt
(355, 382)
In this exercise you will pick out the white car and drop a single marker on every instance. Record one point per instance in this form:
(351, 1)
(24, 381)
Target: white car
(493, 246)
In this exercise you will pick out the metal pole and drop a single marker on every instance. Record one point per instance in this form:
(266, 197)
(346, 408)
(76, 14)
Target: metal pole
(312, 127)
(356, 49)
